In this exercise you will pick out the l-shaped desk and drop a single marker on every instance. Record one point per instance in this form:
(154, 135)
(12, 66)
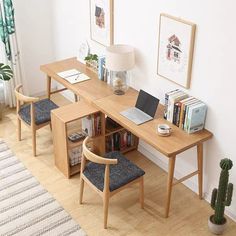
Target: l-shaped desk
(100, 95)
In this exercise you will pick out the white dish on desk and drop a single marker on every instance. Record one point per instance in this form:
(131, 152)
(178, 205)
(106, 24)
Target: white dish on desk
(164, 130)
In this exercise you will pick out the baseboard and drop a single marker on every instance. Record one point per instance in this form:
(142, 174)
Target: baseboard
(228, 212)
(43, 93)
(192, 185)
(158, 160)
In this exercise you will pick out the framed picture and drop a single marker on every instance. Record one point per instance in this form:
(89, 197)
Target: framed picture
(101, 21)
(84, 51)
(175, 50)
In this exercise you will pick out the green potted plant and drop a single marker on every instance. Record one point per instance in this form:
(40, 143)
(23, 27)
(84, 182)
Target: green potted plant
(6, 74)
(220, 198)
(92, 60)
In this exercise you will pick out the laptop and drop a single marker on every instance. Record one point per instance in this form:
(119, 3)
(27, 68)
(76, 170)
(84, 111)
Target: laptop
(144, 110)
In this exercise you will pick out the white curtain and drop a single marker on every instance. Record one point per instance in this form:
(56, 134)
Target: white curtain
(14, 63)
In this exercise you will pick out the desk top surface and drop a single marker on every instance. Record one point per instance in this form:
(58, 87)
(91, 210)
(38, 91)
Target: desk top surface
(89, 90)
(98, 93)
(174, 144)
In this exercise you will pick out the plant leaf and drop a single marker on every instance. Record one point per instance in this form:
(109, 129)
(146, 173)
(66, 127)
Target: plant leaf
(6, 72)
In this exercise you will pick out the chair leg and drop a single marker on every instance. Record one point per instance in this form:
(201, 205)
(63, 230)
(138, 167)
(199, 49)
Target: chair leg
(34, 141)
(105, 209)
(81, 190)
(19, 129)
(141, 192)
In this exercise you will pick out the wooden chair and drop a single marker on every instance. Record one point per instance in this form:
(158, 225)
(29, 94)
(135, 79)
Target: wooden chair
(32, 109)
(109, 175)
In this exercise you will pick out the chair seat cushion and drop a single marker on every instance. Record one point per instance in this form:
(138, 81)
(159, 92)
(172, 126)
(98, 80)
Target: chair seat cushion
(120, 174)
(42, 111)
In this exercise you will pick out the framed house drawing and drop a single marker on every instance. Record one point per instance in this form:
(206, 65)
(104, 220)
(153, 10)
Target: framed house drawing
(101, 21)
(175, 49)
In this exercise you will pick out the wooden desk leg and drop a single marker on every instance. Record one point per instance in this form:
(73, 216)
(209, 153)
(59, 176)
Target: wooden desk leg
(49, 79)
(169, 183)
(76, 97)
(200, 168)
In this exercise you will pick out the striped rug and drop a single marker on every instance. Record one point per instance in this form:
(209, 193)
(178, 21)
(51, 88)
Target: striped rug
(26, 208)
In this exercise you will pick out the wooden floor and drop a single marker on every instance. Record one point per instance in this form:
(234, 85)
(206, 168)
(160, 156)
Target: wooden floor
(188, 215)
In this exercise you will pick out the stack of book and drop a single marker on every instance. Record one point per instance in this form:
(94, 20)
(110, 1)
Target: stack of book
(91, 125)
(119, 141)
(75, 155)
(184, 111)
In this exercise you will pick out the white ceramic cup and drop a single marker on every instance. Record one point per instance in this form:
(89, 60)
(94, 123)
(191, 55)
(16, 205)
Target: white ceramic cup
(163, 129)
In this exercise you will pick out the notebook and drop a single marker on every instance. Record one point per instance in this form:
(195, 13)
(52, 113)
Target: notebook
(73, 76)
(144, 110)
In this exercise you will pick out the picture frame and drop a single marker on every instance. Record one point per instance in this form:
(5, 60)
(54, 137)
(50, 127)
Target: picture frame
(84, 51)
(175, 49)
(101, 21)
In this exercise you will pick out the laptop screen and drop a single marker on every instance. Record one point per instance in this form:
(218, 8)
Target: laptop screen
(147, 103)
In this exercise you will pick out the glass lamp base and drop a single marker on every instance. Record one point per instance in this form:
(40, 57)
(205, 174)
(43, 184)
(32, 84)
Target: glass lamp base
(119, 92)
(119, 82)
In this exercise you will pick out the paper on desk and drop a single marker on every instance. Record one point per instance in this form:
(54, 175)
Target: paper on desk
(73, 76)
(68, 73)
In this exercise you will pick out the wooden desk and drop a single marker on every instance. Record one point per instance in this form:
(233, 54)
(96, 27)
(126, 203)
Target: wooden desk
(100, 95)
(90, 90)
(178, 142)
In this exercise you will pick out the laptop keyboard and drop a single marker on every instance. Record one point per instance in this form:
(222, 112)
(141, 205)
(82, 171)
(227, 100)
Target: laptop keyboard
(136, 115)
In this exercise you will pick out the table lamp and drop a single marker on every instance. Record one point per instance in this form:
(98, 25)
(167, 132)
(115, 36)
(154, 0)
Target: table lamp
(119, 62)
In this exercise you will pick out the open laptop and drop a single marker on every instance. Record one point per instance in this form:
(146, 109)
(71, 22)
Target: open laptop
(144, 110)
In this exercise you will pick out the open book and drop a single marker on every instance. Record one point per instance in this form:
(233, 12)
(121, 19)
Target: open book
(73, 76)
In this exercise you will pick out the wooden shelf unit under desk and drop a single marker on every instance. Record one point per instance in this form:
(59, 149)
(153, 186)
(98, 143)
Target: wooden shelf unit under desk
(112, 129)
(62, 118)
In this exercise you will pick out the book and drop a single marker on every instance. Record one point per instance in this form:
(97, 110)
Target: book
(75, 155)
(196, 117)
(182, 108)
(101, 68)
(172, 100)
(176, 117)
(87, 125)
(188, 105)
(91, 125)
(166, 101)
(169, 105)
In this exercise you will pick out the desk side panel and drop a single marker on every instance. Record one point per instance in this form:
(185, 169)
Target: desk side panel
(59, 135)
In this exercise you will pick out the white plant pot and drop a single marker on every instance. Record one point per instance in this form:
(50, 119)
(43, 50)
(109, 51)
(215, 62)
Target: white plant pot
(214, 228)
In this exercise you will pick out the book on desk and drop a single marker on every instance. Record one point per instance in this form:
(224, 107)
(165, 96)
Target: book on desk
(73, 76)
(184, 111)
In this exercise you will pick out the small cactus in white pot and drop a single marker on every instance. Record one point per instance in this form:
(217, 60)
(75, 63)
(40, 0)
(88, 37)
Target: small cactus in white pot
(221, 198)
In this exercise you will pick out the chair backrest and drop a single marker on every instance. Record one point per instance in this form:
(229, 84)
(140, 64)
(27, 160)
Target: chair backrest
(95, 158)
(21, 98)
(87, 154)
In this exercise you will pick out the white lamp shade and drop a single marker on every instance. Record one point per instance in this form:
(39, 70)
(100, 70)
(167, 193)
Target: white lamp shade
(120, 57)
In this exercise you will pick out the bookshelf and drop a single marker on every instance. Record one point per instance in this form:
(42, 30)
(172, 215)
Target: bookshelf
(117, 138)
(67, 120)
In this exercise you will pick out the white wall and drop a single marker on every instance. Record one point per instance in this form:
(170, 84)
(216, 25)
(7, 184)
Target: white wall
(136, 23)
(34, 31)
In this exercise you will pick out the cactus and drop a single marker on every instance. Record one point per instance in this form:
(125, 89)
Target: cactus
(222, 196)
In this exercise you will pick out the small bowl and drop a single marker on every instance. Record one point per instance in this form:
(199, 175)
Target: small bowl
(164, 130)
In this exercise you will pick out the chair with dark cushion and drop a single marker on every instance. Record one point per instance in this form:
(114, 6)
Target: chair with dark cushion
(33, 109)
(108, 175)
